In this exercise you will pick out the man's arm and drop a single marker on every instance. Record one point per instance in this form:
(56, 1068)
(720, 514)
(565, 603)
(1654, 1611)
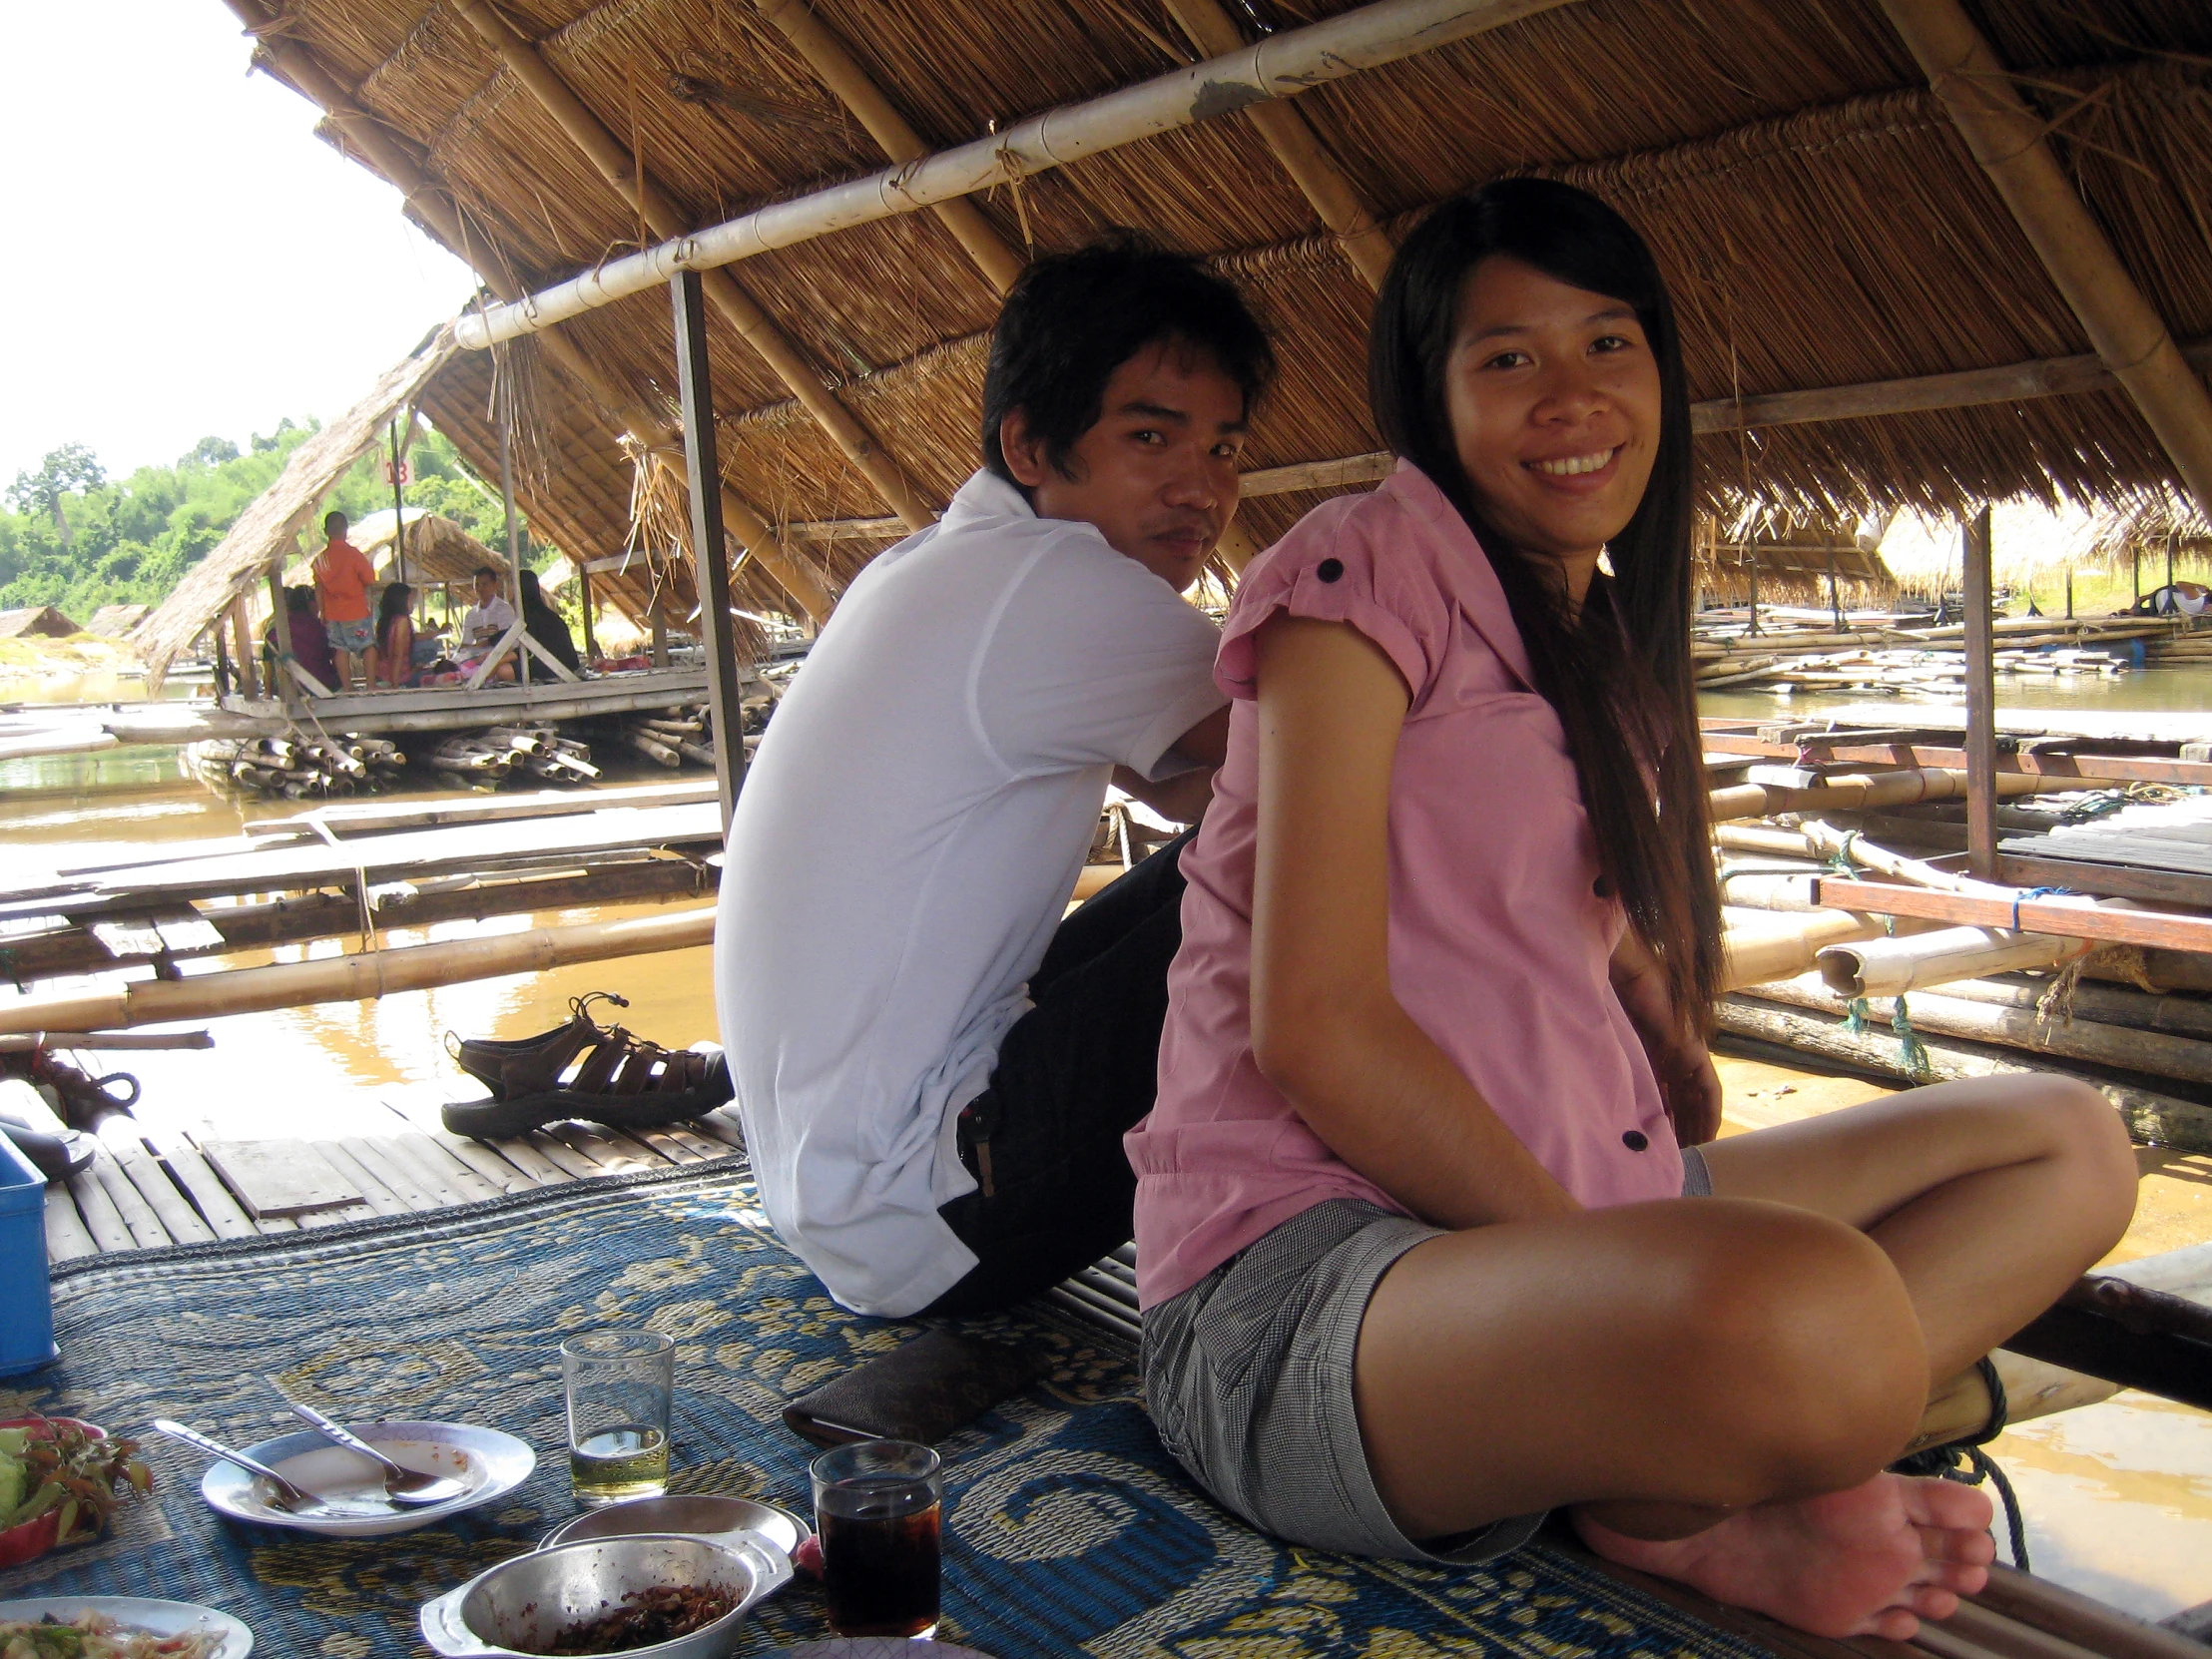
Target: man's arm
(1183, 797)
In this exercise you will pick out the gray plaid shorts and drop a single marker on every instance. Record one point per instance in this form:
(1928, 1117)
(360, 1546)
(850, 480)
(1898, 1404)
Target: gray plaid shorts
(1248, 1376)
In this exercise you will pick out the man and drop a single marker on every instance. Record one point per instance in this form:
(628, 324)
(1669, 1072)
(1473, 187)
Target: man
(485, 625)
(343, 577)
(934, 1071)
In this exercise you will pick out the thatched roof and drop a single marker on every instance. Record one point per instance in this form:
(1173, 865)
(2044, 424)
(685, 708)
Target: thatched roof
(114, 620)
(1819, 217)
(2030, 543)
(262, 539)
(36, 619)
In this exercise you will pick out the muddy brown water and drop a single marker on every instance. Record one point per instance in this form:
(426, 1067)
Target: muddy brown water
(2118, 1495)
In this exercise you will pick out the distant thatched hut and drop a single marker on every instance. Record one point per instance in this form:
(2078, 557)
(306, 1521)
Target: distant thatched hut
(41, 620)
(111, 622)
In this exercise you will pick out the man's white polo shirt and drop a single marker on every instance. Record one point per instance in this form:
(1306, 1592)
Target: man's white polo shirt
(905, 842)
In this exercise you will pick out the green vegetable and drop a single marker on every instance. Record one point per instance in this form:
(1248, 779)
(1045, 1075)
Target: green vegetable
(14, 1476)
(13, 1440)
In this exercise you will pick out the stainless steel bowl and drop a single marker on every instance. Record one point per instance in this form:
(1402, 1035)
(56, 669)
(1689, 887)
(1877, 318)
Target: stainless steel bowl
(701, 1514)
(522, 1606)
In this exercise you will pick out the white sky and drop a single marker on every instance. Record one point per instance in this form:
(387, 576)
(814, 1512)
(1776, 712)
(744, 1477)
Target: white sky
(180, 255)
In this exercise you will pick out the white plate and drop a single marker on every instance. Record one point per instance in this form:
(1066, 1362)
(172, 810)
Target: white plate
(493, 1463)
(163, 1618)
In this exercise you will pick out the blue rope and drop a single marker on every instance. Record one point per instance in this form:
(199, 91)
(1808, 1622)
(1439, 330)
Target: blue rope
(2037, 893)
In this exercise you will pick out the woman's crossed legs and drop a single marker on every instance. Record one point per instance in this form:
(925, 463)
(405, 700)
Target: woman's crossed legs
(1714, 1386)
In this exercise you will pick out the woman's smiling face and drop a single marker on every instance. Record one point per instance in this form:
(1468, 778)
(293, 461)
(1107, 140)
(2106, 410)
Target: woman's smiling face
(1553, 393)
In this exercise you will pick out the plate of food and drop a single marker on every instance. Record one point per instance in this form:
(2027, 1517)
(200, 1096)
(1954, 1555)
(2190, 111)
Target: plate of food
(60, 1479)
(489, 1463)
(120, 1627)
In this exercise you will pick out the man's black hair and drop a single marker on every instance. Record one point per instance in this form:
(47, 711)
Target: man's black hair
(337, 518)
(1073, 318)
(483, 571)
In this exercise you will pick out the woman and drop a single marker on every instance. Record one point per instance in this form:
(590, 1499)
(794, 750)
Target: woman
(1425, 1242)
(545, 625)
(395, 638)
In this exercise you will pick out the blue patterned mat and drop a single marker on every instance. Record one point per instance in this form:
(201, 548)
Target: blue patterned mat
(1068, 1527)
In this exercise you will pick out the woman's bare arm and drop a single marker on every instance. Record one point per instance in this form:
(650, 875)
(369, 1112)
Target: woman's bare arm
(1326, 1028)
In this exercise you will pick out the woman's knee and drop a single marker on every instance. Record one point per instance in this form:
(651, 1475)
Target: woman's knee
(1796, 1350)
(2089, 1143)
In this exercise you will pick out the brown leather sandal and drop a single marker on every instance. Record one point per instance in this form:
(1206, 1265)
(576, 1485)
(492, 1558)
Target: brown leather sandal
(530, 1065)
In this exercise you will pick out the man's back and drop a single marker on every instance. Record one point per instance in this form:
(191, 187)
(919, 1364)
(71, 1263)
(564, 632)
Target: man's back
(343, 575)
(907, 837)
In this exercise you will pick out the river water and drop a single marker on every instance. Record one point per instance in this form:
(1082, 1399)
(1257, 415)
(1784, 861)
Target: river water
(2118, 1495)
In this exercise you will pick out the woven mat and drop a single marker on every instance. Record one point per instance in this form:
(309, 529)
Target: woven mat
(1068, 1527)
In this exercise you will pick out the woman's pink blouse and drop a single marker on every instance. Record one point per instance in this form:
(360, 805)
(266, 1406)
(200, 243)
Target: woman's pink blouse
(1499, 940)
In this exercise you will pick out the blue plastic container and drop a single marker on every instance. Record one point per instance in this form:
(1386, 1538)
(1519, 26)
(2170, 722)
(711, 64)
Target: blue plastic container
(26, 1302)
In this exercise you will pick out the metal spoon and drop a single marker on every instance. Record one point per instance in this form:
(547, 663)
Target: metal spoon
(287, 1497)
(402, 1485)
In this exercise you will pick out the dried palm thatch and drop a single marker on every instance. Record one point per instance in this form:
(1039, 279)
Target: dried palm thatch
(1786, 560)
(264, 536)
(1820, 220)
(2030, 543)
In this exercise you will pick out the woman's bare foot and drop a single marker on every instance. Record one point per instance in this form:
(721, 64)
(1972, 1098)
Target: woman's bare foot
(1874, 1560)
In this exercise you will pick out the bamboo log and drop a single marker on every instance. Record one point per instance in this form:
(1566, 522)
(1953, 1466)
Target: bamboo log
(2152, 1052)
(2158, 1119)
(2110, 921)
(1755, 956)
(1859, 792)
(2007, 139)
(618, 166)
(2184, 1016)
(359, 977)
(652, 749)
(826, 55)
(1890, 966)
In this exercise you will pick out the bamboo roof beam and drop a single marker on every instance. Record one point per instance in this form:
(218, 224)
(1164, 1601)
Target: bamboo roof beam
(1297, 148)
(828, 56)
(435, 204)
(2007, 139)
(665, 218)
(1280, 65)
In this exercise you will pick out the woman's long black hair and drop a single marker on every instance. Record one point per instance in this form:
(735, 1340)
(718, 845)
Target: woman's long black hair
(397, 599)
(1614, 703)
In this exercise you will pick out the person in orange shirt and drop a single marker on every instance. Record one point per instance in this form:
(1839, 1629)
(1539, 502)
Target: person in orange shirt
(343, 575)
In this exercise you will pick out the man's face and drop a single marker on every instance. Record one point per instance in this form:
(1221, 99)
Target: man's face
(487, 589)
(1157, 472)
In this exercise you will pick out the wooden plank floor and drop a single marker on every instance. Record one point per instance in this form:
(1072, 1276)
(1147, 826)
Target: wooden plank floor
(150, 1185)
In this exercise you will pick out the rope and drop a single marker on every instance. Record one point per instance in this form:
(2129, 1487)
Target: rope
(2037, 893)
(1966, 1464)
(1912, 1052)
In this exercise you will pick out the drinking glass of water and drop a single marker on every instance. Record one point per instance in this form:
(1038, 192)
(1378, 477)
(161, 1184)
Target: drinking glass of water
(878, 1506)
(618, 1395)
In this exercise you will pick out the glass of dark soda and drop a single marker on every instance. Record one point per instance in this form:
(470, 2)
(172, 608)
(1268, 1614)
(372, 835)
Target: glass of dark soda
(878, 1505)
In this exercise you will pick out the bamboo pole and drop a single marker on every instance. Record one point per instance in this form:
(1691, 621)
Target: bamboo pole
(1891, 966)
(828, 56)
(242, 646)
(2007, 139)
(359, 977)
(1280, 65)
(1297, 148)
(1981, 701)
(1861, 791)
(1754, 956)
(619, 166)
(430, 200)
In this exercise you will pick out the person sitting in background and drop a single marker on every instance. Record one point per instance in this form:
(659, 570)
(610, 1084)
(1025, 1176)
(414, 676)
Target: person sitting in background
(485, 625)
(311, 642)
(343, 575)
(545, 625)
(402, 650)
